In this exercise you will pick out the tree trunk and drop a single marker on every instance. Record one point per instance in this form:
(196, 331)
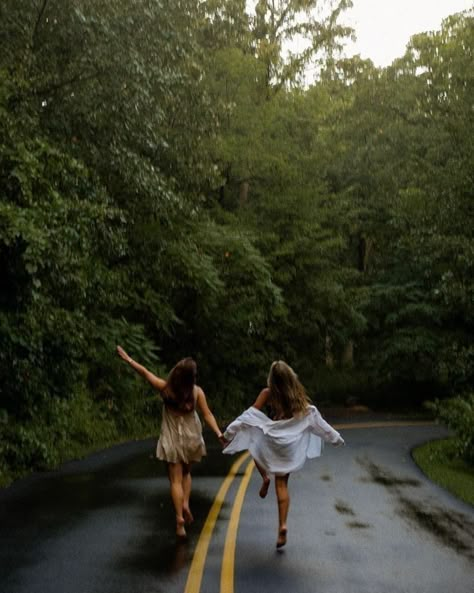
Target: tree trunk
(329, 356)
(243, 193)
(347, 358)
(365, 250)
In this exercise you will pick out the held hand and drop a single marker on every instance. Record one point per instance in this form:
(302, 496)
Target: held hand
(223, 441)
(121, 352)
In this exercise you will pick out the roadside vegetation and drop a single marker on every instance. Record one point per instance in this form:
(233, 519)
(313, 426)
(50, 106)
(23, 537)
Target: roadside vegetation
(171, 181)
(438, 460)
(450, 462)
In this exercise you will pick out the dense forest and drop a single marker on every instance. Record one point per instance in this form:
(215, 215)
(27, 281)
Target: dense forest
(187, 177)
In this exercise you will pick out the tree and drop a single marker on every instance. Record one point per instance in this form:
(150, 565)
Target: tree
(402, 131)
(290, 34)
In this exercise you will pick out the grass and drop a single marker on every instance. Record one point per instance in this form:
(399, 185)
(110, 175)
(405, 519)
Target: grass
(437, 461)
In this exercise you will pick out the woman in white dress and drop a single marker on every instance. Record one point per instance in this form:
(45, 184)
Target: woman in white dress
(281, 444)
(181, 442)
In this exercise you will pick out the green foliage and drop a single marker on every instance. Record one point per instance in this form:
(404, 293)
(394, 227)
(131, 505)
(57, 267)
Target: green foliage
(60, 428)
(339, 386)
(458, 414)
(58, 230)
(437, 462)
(405, 164)
(280, 23)
(168, 183)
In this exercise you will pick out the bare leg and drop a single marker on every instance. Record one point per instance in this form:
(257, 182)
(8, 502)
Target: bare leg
(175, 474)
(283, 498)
(266, 480)
(187, 482)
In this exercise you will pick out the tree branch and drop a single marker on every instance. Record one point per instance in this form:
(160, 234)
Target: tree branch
(38, 21)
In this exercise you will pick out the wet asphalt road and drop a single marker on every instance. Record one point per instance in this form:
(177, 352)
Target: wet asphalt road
(363, 519)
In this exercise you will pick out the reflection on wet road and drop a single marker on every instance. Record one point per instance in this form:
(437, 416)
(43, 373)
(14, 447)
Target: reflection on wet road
(102, 524)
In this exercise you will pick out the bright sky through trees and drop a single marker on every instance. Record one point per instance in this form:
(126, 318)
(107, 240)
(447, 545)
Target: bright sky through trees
(384, 27)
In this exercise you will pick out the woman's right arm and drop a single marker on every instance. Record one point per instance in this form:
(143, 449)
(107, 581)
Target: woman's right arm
(155, 381)
(262, 399)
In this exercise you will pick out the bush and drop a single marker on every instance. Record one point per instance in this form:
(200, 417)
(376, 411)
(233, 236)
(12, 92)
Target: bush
(458, 414)
(338, 386)
(61, 429)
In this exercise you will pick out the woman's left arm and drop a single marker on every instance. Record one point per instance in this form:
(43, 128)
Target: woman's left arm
(208, 416)
(324, 429)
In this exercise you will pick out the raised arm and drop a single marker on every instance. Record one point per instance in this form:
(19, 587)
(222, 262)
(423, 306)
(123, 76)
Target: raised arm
(262, 399)
(155, 381)
(208, 416)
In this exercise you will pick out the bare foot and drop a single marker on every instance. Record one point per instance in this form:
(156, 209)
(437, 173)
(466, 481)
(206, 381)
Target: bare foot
(264, 488)
(281, 541)
(180, 530)
(188, 516)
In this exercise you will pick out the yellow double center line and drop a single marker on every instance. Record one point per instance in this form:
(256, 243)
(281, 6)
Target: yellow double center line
(228, 559)
(196, 571)
(193, 583)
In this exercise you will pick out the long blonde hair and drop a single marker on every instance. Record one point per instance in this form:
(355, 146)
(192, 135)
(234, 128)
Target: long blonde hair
(288, 397)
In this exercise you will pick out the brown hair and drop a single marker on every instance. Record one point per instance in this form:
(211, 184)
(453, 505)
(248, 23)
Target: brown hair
(179, 390)
(288, 397)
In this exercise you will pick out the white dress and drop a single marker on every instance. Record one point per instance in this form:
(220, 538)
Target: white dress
(280, 446)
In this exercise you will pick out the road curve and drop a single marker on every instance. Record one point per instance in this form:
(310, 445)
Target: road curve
(363, 518)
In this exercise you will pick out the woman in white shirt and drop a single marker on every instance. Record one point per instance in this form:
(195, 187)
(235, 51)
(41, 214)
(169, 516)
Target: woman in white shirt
(281, 444)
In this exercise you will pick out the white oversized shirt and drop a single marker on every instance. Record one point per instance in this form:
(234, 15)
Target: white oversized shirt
(280, 446)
